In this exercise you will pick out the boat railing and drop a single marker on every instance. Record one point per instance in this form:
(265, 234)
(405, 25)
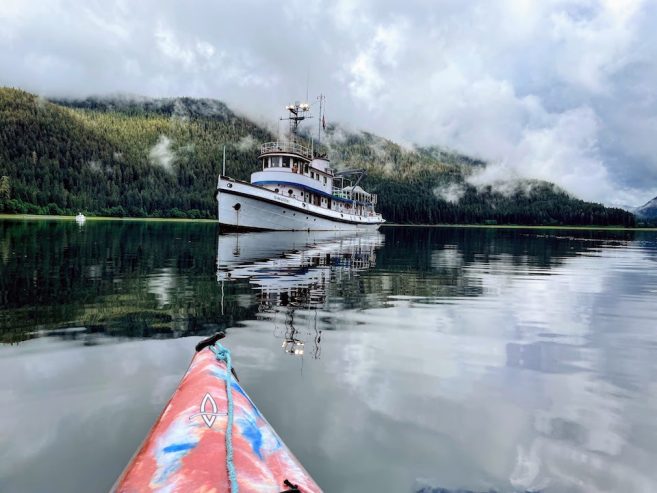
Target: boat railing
(291, 147)
(341, 193)
(338, 192)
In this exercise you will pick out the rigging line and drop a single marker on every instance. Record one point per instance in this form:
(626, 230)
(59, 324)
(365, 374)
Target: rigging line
(223, 354)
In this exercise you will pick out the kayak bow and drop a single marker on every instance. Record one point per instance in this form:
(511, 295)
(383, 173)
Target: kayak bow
(186, 450)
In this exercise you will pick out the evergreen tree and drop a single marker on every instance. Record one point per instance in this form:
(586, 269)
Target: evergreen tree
(161, 158)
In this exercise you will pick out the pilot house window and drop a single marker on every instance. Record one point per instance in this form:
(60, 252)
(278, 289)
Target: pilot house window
(286, 162)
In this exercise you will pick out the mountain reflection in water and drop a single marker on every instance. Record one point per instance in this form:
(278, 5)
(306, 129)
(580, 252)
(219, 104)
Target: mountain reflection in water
(436, 359)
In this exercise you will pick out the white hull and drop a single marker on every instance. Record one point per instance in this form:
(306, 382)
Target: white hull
(241, 205)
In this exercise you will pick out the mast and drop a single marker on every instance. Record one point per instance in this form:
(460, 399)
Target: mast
(298, 113)
(320, 120)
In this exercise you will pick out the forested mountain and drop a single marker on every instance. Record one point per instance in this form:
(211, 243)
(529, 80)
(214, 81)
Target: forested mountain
(161, 157)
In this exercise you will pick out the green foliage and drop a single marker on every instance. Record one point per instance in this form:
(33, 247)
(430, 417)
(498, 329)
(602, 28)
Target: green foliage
(98, 158)
(5, 188)
(529, 203)
(161, 158)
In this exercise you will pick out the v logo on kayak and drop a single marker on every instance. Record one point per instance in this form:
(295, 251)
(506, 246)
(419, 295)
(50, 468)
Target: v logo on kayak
(208, 415)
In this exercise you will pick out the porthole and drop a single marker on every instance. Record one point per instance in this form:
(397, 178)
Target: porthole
(276, 190)
(237, 206)
(229, 185)
(290, 192)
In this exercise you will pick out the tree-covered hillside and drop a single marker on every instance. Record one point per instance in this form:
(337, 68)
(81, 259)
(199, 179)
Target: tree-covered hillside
(429, 186)
(145, 157)
(134, 159)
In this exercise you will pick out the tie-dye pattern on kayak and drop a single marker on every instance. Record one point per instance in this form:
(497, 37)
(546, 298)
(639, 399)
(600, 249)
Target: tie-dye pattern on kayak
(186, 449)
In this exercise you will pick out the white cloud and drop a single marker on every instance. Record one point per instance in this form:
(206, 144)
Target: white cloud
(192, 55)
(246, 143)
(365, 79)
(548, 153)
(561, 90)
(452, 193)
(596, 46)
(161, 154)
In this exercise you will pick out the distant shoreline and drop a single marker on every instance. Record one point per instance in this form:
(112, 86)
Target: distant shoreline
(520, 226)
(32, 217)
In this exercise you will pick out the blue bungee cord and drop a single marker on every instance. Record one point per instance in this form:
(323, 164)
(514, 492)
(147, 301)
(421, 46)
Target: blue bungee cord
(223, 354)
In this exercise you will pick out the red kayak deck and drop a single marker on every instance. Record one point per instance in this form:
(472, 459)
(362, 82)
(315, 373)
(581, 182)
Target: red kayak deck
(185, 450)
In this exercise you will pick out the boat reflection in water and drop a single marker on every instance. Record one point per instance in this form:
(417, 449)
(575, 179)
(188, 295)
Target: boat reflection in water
(293, 271)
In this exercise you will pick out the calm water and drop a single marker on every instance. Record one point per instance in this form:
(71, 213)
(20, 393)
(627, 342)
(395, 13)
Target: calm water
(455, 358)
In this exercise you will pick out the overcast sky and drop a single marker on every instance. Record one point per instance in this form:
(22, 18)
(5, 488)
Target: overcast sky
(563, 90)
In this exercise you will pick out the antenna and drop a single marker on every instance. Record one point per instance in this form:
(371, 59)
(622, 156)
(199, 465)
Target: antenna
(224, 169)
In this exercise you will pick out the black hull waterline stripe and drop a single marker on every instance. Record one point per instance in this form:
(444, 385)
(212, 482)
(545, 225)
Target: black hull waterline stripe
(295, 208)
(234, 228)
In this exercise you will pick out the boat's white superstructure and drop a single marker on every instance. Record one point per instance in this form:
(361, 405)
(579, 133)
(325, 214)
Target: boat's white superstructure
(295, 189)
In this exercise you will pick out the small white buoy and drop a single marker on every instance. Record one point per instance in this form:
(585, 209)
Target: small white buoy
(80, 219)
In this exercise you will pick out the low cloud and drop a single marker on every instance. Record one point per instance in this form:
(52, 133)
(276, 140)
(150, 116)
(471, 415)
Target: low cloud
(246, 143)
(96, 166)
(564, 151)
(451, 193)
(161, 154)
